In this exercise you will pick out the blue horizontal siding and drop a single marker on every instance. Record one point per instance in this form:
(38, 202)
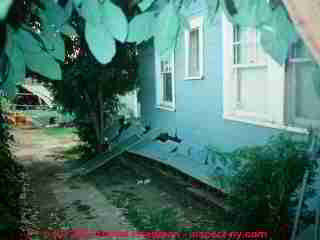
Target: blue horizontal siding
(199, 103)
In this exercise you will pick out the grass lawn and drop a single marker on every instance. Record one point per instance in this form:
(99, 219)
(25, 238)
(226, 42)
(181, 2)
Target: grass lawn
(161, 205)
(59, 132)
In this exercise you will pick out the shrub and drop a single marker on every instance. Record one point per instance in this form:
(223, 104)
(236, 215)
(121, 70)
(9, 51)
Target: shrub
(10, 180)
(90, 90)
(264, 191)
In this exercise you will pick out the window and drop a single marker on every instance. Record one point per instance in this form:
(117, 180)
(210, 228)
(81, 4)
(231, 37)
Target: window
(250, 71)
(303, 100)
(165, 81)
(194, 49)
(258, 90)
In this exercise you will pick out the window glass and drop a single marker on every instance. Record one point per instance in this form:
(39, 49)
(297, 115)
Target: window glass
(303, 99)
(299, 50)
(246, 47)
(194, 69)
(307, 101)
(166, 79)
(252, 90)
(250, 73)
(167, 87)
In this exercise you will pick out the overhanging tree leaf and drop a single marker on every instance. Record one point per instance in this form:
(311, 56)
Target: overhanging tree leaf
(69, 31)
(44, 64)
(77, 3)
(100, 42)
(247, 13)
(54, 13)
(27, 42)
(115, 21)
(10, 40)
(145, 4)
(141, 27)
(278, 35)
(167, 29)
(184, 22)
(91, 11)
(68, 10)
(187, 3)
(17, 70)
(54, 44)
(4, 8)
(17, 67)
(212, 9)
(316, 79)
(9, 86)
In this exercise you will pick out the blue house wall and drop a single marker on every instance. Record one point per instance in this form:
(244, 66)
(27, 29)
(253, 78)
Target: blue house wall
(198, 118)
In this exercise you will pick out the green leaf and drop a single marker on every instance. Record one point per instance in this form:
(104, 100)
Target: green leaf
(54, 44)
(54, 13)
(167, 29)
(17, 70)
(141, 27)
(187, 3)
(115, 20)
(9, 86)
(278, 36)
(17, 67)
(44, 64)
(145, 4)
(100, 42)
(27, 42)
(77, 3)
(4, 8)
(69, 31)
(68, 10)
(10, 39)
(184, 22)
(91, 11)
(212, 9)
(316, 79)
(247, 13)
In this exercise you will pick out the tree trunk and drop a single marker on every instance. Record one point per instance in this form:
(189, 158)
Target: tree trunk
(96, 119)
(96, 124)
(100, 117)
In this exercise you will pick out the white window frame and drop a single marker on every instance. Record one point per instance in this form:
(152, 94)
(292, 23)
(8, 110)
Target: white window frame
(276, 112)
(293, 100)
(160, 103)
(194, 23)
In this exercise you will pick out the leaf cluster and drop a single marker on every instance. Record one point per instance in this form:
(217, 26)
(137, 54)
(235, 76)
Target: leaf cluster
(10, 179)
(265, 190)
(85, 78)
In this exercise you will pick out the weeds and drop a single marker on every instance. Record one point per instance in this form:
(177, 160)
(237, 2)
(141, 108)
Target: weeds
(264, 190)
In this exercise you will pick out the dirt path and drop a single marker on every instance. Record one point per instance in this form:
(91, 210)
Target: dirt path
(54, 206)
(108, 198)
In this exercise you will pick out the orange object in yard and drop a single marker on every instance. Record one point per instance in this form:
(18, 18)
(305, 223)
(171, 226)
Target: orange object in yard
(11, 120)
(20, 119)
(28, 121)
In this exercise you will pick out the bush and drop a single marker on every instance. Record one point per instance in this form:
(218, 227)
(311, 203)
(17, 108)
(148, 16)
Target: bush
(264, 190)
(10, 181)
(90, 90)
